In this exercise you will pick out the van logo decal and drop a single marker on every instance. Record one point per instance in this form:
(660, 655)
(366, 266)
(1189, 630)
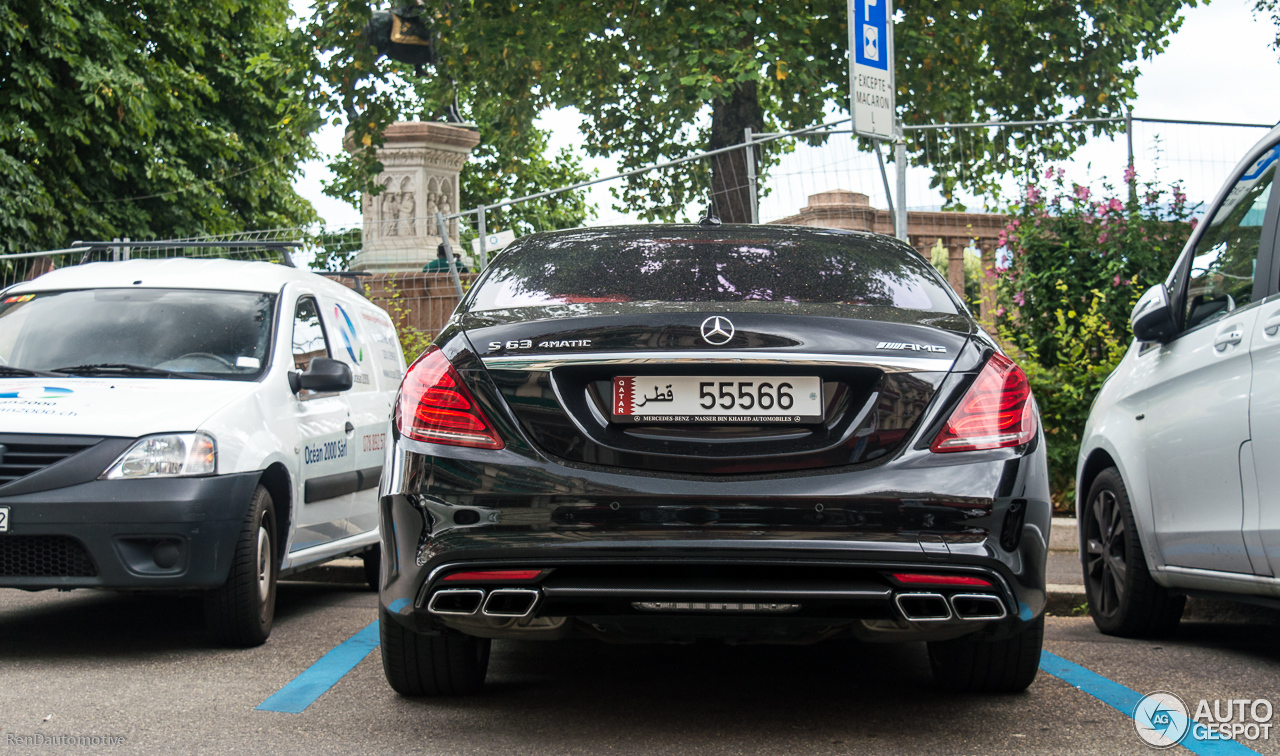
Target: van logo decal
(348, 331)
(41, 392)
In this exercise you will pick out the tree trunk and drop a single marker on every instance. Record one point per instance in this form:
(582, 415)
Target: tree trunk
(730, 186)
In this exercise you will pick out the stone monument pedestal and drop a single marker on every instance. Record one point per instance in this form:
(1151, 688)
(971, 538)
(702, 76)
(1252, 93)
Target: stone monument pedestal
(421, 163)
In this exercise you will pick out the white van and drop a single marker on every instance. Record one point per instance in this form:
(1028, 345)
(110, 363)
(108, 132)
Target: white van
(190, 424)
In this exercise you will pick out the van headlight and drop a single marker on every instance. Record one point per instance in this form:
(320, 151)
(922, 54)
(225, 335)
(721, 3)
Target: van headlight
(169, 455)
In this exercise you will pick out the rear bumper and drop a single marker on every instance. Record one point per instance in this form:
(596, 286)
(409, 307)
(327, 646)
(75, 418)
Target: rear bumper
(175, 533)
(645, 539)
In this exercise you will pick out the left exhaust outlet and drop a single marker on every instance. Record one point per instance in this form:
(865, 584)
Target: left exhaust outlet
(456, 601)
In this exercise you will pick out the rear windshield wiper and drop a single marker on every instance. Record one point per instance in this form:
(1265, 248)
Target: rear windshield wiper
(124, 368)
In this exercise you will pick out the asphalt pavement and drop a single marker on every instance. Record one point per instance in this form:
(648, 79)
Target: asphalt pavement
(96, 664)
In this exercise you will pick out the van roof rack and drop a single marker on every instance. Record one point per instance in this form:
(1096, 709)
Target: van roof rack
(90, 247)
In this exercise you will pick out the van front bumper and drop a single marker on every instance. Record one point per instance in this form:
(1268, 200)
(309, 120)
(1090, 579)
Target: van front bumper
(166, 533)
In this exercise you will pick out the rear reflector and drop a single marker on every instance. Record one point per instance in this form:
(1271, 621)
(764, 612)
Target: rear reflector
(996, 412)
(494, 576)
(913, 578)
(435, 406)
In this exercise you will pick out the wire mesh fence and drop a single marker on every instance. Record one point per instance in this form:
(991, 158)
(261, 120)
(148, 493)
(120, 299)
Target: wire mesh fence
(956, 180)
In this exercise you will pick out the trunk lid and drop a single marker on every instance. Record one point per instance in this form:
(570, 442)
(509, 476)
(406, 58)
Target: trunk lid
(555, 367)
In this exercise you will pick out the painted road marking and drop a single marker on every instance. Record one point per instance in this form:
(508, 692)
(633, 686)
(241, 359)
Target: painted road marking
(304, 689)
(1125, 701)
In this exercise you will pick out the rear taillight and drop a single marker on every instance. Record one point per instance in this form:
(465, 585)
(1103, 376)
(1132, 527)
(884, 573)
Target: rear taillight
(996, 412)
(436, 407)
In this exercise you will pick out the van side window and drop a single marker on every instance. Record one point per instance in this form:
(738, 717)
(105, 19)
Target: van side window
(308, 334)
(1226, 257)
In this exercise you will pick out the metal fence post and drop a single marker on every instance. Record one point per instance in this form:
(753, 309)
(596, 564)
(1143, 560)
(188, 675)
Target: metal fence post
(884, 176)
(484, 248)
(1128, 138)
(751, 176)
(448, 253)
(900, 158)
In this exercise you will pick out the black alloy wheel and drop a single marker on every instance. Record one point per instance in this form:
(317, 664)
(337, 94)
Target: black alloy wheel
(1123, 598)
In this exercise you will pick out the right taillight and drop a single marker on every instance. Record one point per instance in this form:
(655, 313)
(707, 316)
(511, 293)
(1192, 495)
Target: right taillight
(435, 406)
(996, 411)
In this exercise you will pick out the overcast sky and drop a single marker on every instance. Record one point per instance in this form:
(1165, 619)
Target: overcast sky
(1218, 67)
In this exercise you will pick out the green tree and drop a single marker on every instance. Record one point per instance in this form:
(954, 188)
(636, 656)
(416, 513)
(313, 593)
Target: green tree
(657, 79)
(352, 88)
(149, 118)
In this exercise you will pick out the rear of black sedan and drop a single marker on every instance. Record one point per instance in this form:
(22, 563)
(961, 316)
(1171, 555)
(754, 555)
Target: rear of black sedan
(757, 434)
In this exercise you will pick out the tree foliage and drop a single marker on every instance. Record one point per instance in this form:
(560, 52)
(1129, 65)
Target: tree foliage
(149, 118)
(353, 88)
(658, 79)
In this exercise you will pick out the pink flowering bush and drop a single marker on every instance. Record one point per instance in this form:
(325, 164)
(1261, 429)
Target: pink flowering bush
(1077, 265)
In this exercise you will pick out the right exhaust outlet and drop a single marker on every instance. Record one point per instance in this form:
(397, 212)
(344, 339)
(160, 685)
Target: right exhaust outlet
(978, 606)
(510, 602)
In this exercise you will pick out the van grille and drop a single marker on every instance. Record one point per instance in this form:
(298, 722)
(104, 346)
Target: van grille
(44, 556)
(22, 457)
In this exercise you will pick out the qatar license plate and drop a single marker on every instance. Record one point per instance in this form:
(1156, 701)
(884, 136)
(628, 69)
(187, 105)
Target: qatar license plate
(716, 399)
(4, 519)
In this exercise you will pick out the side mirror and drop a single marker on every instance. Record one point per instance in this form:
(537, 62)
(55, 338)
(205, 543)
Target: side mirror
(322, 376)
(1152, 318)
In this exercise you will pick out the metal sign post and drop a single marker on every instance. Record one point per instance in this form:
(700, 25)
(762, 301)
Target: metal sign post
(871, 86)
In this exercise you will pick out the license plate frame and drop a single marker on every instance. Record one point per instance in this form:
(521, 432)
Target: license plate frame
(4, 519)
(682, 399)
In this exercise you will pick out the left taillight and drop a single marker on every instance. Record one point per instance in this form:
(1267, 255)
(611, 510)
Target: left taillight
(436, 407)
(996, 412)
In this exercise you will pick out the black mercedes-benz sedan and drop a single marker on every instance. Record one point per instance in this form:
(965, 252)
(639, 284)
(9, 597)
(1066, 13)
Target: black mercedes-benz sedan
(750, 433)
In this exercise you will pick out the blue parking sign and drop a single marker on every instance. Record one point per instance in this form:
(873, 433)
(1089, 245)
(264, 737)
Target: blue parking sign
(871, 87)
(871, 33)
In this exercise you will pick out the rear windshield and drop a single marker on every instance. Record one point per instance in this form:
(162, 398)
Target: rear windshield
(799, 267)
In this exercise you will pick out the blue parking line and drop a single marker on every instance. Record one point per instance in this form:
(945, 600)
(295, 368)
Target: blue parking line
(1125, 701)
(315, 680)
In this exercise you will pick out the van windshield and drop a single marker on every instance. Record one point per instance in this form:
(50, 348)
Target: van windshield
(137, 332)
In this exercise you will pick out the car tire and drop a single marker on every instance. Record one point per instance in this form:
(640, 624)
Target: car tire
(1123, 598)
(416, 664)
(979, 665)
(372, 566)
(241, 612)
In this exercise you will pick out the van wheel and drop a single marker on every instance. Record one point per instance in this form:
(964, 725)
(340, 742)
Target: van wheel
(450, 664)
(372, 566)
(1123, 598)
(240, 613)
(989, 666)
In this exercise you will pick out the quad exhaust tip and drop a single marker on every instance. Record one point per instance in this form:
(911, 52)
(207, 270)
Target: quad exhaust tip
(510, 602)
(978, 606)
(457, 602)
(923, 607)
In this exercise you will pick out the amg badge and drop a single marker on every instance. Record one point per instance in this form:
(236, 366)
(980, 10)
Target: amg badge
(912, 347)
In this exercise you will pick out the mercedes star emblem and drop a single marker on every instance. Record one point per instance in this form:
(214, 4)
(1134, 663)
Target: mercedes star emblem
(717, 330)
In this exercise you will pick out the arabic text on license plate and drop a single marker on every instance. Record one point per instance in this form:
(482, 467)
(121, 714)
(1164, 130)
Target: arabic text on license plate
(717, 399)
(4, 519)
